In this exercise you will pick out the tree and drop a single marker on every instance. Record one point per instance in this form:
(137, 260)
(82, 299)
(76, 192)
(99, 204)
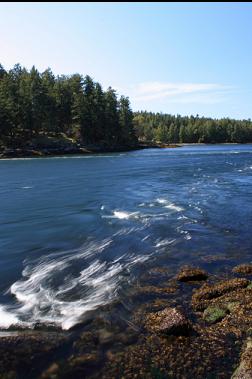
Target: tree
(127, 133)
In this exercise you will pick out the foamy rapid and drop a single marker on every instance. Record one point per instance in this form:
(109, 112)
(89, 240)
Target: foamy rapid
(57, 290)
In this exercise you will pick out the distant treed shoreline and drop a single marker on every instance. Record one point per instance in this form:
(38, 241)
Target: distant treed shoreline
(41, 112)
(167, 128)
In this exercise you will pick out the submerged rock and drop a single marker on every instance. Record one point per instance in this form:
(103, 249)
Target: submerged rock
(214, 314)
(244, 370)
(245, 269)
(51, 372)
(23, 352)
(168, 321)
(86, 359)
(188, 273)
(154, 290)
(203, 295)
(105, 337)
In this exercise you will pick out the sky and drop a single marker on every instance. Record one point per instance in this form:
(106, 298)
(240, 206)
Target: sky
(177, 58)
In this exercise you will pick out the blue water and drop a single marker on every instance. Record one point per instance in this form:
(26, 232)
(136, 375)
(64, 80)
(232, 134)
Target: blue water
(75, 229)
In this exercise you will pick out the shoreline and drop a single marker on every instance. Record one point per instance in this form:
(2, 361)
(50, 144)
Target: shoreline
(83, 150)
(16, 153)
(200, 323)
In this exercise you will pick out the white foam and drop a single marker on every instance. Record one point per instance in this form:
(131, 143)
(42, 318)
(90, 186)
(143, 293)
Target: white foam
(122, 215)
(161, 201)
(164, 242)
(169, 205)
(174, 207)
(183, 217)
(77, 291)
(7, 319)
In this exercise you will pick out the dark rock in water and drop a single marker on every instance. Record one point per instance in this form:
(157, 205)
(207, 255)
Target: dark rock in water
(154, 290)
(202, 296)
(243, 269)
(188, 273)
(105, 337)
(168, 321)
(244, 370)
(23, 352)
(88, 341)
(86, 359)
(51, 372)
(128, 337)
(214, 314)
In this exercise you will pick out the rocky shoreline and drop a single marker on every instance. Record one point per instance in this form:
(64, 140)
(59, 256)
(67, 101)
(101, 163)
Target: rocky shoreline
(37, 152)
(191, 325)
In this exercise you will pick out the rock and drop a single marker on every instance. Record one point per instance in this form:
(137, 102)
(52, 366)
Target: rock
(188, 273)
(244, 370)
(203, 295)
(153, 290)
(51, 372)
(168, 321)
(9, 375)
(92, 358)
(105, 337)
(214, 314)
(22, 351)
(231, 306)
(245, 269)
(87, 342)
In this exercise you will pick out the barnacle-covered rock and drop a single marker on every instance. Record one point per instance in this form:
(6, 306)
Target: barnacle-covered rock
(245, 269)
(244, 370)
(202, 296)
(168, 321)
(188, 273)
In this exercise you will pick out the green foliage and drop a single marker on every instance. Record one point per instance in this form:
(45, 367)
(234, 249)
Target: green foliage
(157, 127)
(33, 105)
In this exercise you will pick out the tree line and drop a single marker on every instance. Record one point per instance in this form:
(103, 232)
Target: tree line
(34, 104)
(166, 128)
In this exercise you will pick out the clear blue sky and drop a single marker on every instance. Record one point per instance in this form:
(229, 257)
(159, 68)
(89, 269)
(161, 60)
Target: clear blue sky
(185, 58)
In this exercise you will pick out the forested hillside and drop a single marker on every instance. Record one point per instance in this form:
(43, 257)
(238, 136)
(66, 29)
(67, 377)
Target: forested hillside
(41, 109)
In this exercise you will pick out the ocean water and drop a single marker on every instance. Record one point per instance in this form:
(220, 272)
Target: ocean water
(76, 232)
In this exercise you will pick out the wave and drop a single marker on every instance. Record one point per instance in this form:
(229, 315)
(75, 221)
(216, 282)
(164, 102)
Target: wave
(164, 242)
(60, 289)
(122, 215)
(7, 318)
(169, 205)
